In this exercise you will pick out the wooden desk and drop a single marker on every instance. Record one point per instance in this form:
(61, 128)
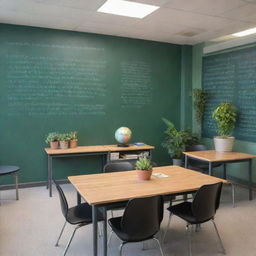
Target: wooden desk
(99, 190)
(99, 150)
(212, 156)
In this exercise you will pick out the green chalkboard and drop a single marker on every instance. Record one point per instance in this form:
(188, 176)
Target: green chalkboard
(62, 81)
(231, 77)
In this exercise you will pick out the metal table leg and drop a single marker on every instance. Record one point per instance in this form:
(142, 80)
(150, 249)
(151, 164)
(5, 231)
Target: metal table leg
(50, 175)
(250, 179)
(224, 171)
(95, 230)
(78, 198)
(186, 161)
(210, 168)
(105, 233)
(16, 185)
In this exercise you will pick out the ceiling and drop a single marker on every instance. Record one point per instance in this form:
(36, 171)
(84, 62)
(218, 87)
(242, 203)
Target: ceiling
(176, 21)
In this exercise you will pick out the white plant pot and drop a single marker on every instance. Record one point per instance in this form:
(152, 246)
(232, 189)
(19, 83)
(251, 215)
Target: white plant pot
(176, 161)
(224, 144)
(64, 144)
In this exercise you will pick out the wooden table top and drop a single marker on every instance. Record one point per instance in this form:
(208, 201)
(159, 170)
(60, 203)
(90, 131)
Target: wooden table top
(217, 156)
(95, 149)
(121, 186)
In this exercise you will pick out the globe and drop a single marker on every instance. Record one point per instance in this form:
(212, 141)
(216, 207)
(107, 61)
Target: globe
(123, 135)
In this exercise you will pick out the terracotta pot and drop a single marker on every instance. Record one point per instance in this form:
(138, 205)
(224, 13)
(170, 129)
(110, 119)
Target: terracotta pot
(54, 144)
(73, 143)
(224, 144)
(64, 144)
(144, 175)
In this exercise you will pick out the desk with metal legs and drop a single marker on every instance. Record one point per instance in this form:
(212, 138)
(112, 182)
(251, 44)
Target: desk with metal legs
(85, 151)
(212, 156)
(100, 190)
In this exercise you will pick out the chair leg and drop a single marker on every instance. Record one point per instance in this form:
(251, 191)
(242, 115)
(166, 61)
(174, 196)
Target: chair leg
(221, 244)
(16, 186)
(189, 239)
(70, 240)
(121, 248)
(57, 243)
(168, 225)
(159, 245)
(110, 236)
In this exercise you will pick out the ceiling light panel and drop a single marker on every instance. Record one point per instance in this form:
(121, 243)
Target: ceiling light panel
(127, 8)
(245, 32)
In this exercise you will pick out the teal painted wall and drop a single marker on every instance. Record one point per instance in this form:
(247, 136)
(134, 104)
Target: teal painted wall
(22, 137)
(236, 171)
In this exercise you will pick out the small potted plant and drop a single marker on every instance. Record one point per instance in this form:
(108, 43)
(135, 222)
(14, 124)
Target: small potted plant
(200, 98)
(64, 139)
(144, 168)
(73, 139)
(53, 139)
(176, 141)
(225, 115)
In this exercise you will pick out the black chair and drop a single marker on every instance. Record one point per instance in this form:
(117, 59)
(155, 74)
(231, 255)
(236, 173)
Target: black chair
(117, 167)
(196, 164)
(79, 215)
(202, 209)
(11, 170)
(140, 222)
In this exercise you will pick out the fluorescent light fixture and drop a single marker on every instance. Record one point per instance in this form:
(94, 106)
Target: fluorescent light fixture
(127, 8)
(245, 32)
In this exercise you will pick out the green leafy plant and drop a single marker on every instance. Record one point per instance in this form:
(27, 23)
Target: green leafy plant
(200, 98)
(73, 135)
(52, 136)
(176, 141)
(64, 137)
(225, 115)
(143, 164)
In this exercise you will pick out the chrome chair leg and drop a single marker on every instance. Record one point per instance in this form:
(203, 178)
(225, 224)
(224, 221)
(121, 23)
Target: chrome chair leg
(57, 243)
(121, 248)
(159, 245)
(220, 241)
(71, 238)
(16, 186)
(189, 239)
(110, 236)
(166, 230)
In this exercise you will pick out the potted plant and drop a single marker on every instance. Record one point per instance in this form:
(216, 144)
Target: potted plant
(225, 115)
(200, 98)
(53, 139)
(73, 139)
(176, 141)
(64, 139)
(144, 168)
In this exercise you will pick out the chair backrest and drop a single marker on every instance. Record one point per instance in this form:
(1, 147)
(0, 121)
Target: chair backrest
(63, 200)
(142, 217)
(206, 201)
(118, 167)
(198, 147)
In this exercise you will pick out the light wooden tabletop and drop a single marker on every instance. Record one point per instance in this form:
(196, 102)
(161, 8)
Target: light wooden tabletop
(93, 149)
(121, 186)
(217, 156)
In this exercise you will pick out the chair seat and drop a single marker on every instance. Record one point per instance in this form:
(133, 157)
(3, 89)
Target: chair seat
(81, 213)
(8, 169)
(184, 211)
(115, 224)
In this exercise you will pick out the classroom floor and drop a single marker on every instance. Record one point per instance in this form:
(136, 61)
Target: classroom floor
(31, 225)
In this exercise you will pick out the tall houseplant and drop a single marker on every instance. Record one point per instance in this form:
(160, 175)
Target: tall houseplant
(225, 115)
(176, 141)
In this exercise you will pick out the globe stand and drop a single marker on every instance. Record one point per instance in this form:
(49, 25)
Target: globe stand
(123, 145)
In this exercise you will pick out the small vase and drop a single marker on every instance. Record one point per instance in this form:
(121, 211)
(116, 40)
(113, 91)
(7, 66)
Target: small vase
(64, 144)
(73, 143)
(144, 174)
(176, 161)
(54, 144)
